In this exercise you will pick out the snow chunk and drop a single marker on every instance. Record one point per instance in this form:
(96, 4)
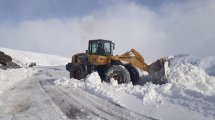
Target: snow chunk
(165, 88)
(63, 81)
(68, 82)
(113, 82)
(149, 95)
(93, 78)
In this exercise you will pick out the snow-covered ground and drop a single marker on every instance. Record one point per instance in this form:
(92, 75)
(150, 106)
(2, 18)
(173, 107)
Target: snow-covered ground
(24, 58)
(46, 92)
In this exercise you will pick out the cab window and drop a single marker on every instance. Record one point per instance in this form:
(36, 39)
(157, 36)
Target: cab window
(107, 47)
(94, 47)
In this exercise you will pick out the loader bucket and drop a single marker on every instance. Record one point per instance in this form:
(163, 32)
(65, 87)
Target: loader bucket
(157, 71)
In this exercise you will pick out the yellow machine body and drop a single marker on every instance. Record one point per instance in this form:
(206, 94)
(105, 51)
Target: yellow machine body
(96, 60)
(133, 57)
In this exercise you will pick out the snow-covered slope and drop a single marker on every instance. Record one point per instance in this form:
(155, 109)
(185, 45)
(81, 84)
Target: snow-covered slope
(189, 93)
(24, 58)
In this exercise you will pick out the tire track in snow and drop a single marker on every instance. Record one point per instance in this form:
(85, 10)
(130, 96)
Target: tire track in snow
(41, 104)
(87, 104)
(70, 107)
(79, 104)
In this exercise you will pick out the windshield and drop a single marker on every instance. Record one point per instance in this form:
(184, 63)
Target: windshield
(107, 47)
(100, 48)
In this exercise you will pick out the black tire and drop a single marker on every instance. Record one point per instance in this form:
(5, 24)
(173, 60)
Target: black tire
(119, 73)
(77, 72)
(116, 62)
(134, 74)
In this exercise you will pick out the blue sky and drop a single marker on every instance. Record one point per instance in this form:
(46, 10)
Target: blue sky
(20, 10)
(156, 28)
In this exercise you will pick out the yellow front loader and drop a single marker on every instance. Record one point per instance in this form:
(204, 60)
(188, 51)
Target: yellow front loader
(123, 68)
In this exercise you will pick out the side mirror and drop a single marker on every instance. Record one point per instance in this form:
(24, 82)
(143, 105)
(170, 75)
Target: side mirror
(113, 44)
(87, 51)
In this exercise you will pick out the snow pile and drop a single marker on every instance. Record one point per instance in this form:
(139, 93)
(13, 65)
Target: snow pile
(24, 58)
(150, 94)
(192, 83)
(190, 73)
(111, 91)
(91, 84)
(165, 88)
(205, 63)
(68, 83)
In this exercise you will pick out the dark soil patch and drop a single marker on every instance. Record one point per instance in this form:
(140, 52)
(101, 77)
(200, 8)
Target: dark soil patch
(6, 62)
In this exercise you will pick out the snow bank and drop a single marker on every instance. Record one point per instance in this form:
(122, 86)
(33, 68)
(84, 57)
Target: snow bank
(111, 91)
(205, 63)
(11, 76)
(192, 83)
(91, 84)
(192, 73)
(24, 58)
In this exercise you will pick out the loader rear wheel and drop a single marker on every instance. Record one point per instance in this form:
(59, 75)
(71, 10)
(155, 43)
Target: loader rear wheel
(119, 73)
(77, 72)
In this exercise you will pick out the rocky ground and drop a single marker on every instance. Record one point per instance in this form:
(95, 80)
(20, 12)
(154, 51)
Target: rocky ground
(6, 62)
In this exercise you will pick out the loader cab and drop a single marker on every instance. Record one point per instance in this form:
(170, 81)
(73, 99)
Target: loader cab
(101, 47)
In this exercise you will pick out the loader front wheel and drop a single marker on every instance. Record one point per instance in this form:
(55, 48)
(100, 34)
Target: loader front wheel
(119, 73)
(77, 72)
(134, 74)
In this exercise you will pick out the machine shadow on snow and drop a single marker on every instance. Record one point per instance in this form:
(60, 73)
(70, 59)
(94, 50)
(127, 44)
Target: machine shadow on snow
(47, 82)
